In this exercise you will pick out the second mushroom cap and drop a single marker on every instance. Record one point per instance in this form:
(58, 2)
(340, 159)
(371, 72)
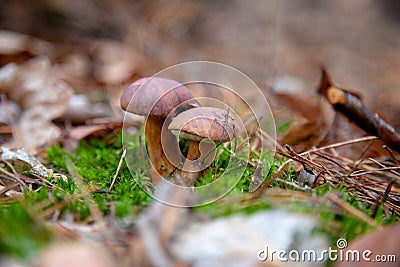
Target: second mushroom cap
(207, 123)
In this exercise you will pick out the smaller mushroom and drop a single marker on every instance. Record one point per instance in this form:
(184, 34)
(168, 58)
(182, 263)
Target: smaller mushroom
(203, 125)
(156, 98)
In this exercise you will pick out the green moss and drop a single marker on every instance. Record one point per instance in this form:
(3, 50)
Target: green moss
(95, 162)
(334, 223)
(20, 234)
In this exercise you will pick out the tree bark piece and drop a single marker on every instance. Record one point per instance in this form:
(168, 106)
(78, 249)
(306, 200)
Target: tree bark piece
(356, 111)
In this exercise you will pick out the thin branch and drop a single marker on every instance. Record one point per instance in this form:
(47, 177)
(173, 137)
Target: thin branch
(121, 160)
(352, 210)
(374, 171)
(356, 111)
(383, 198)
(391, 154)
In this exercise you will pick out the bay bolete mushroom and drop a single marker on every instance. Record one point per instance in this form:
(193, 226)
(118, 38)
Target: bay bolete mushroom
(155, 98)
(203, 125)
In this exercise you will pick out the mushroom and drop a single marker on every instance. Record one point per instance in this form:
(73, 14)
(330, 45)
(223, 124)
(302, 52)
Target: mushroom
(203, 125)
(156, 98)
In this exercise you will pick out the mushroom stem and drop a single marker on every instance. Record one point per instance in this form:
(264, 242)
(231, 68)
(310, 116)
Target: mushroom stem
(190, 177)
(193, 151)
(161, 164)
(198, 158)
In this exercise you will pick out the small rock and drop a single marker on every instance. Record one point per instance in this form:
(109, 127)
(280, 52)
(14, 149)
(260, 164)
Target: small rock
(239, 239)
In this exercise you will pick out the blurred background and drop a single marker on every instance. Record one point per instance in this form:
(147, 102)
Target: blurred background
(64, 65)
(98, 47)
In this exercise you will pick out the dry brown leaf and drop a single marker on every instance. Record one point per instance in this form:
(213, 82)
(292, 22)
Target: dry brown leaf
(36, 167)
(83, 131)
(71, 141)
(8, 75)
(74, 68)
(11, 193)
(80, 109)
(384, 241)
(312, 120)
(315, 123)
(116, 62)
(13, 43)
(42, 98)
(9, 111)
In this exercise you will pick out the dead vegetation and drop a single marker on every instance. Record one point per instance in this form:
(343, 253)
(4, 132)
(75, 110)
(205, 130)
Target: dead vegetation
(63, 68)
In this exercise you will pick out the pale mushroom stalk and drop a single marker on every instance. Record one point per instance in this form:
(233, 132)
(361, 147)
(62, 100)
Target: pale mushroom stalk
(193, 150)
(195, 153)
(190, 178)
(213, 125)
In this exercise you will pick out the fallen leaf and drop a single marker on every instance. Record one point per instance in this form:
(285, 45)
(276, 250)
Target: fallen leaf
(14, 42)
(116, 62)
(41, 97)
(80, 109)
(11, 193)
(311, 122)
(36, 167)
(9, 111)
(384, 241)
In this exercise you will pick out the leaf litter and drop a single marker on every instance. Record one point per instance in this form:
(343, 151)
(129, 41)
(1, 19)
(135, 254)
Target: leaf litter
(43, 82)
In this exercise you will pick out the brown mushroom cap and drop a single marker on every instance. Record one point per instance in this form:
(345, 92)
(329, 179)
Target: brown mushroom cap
(206, 122)
(158, 96)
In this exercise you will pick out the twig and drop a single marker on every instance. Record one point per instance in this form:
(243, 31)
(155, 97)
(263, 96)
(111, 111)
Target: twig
(374, 171)
(352, 210)
(361, 157)
(303, 160)
(8, 188)
(383, 198)
(391, 154)
(359, 160)
(328, 158)
(242, 145)
(43, 181)
(339, 144)
(121, 160)
(352, 141)
(267, 182)
(292, 184)
(15, 175)
(355, 110)
(264, 134)
(381, 165)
